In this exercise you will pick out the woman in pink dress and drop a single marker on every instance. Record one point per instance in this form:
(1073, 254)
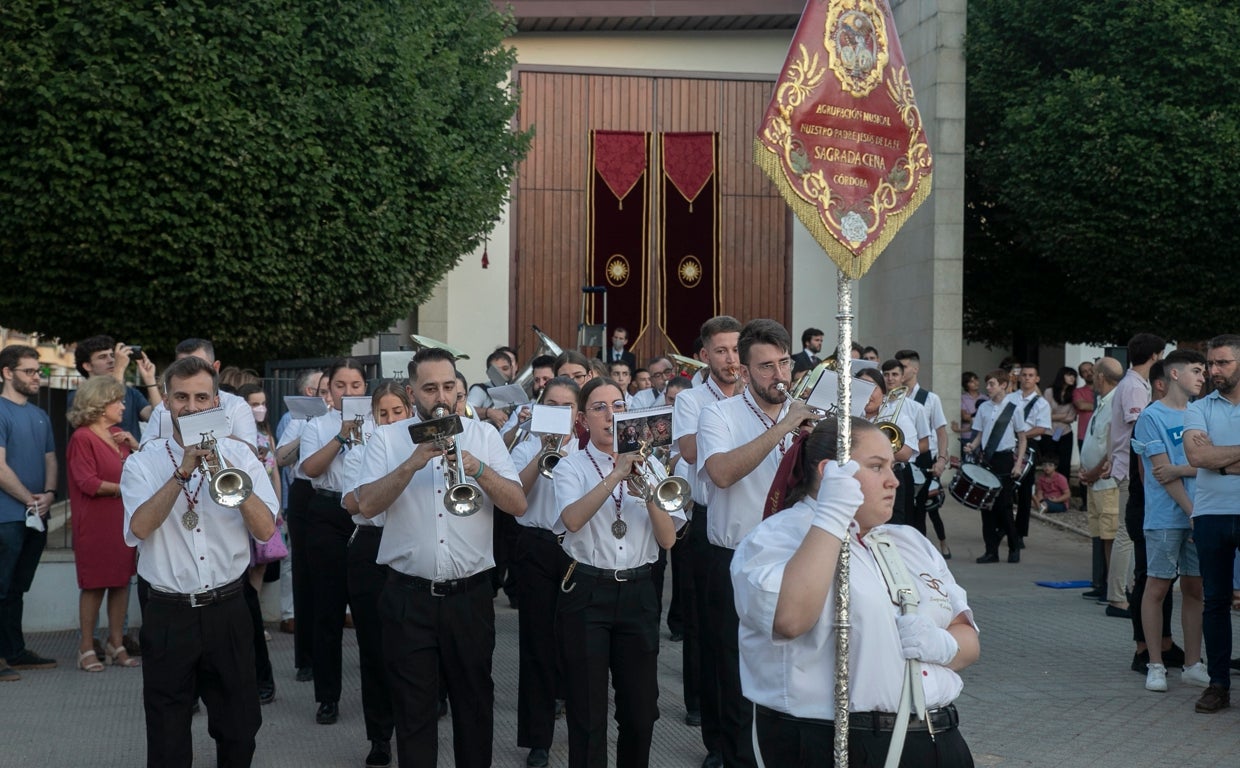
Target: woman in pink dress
(97, 451)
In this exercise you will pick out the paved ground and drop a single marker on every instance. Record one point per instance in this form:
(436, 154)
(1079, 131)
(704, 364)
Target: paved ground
(1052, 689)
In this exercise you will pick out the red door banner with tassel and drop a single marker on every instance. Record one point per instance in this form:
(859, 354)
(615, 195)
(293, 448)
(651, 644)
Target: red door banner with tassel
(688, 235)
(618, 233)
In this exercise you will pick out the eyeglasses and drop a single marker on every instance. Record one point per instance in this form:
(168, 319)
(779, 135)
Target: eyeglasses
(579, 377)
(660, 373)
(768, 369)
(29, 371)
(616, 407)
(1219, 363)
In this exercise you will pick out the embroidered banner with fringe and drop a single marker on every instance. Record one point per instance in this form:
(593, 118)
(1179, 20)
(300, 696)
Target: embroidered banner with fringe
(688, 235)
(617, 240)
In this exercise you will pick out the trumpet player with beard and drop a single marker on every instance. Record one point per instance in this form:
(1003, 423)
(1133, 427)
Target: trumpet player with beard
(388, 403)
(324, 443)
(691, 556)
(197, 635)
(540, 562)
(740, 444)
(608, 610)
(436, 606)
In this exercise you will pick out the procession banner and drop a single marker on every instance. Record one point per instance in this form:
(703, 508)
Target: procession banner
(618, 229)
(842, 137)
(688, 235)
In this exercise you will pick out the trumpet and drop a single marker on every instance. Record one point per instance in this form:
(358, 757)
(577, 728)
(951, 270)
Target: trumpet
(687, 366)
(461, 498)
(427, 341)
(358, 421)
(654, 482)
(888, 425)
(227, 486)
(550, 455)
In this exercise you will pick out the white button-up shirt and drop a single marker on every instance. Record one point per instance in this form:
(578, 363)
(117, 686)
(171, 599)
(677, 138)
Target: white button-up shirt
(292, 432)
(595, 544)
(934, 412)
(216, 551)
(319, 432)
(420, 537)
(988, 415)
(240, 417)
(686, 415)
(542, 510)
(352, 473)
(725, 426)
(796, 676)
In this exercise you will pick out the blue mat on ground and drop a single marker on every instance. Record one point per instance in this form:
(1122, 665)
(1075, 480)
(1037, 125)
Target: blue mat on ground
(1064, 584)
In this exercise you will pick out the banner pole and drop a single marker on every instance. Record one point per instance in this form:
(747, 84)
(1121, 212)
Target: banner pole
(842, 597)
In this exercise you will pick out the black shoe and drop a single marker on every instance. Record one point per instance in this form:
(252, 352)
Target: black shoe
(305, 674)
(693, 717)
(1018, 542)
(1013, 555)
(443, 708)
(989, 557)
(266, 693)
(538, 758)
(559, 708)
(329, 712)
(1235, 665)
(196, 709)
(713, 760)
(1121, 613)
(381, 755)
(1093, 594)
(1173, 657)
(1141, 660)
(677, 637)
(28, 659)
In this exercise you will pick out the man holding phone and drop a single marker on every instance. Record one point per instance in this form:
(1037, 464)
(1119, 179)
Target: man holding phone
(102, 356)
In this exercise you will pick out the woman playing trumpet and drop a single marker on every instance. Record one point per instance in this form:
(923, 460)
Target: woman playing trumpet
(324, 443)
(783, 576)
(608, 609)
(540, 562)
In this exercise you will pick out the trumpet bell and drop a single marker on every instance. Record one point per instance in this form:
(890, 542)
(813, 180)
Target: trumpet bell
(893, 433)
(547, 463)
(230, 488)
(462, 500)
(672, 494)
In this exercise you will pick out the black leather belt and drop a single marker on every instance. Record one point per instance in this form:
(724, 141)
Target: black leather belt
(541, 534)
(198, 599)
(624, 574)
(368, 530)
(439, 588)
(333, 495)
(937, 720)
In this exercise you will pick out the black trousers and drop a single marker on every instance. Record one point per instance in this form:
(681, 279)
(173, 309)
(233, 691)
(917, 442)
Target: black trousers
(503, 548)
(299, 494)
(790, 742)
(262, 659)
(421, 632)
(704, 643)
(366, 579)
(684, 603)
(997, 522)
(1024, 501)
(327, 539)
(679, 557)
(20, 550)
(539, 562)
(191, 652)
(735, 712)
(610, 626)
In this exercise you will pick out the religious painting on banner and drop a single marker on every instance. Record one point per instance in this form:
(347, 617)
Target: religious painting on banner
(688, 235)
(618, 222)
(842, 137)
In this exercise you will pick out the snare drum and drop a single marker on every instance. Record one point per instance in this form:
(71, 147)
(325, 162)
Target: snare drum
(919, 478)
(975, 487)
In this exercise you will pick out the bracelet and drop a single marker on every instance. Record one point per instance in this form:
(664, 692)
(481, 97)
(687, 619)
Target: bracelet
(53, 492)
(148, 386)
(181, 478)
(343, 442)
(481, 468)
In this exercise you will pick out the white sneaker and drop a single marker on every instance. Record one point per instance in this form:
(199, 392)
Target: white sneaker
(1156, 678)
(1196, 675)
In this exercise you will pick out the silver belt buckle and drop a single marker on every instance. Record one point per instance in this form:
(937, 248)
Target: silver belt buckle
(193, 600)
(616, 575)
(434, 589)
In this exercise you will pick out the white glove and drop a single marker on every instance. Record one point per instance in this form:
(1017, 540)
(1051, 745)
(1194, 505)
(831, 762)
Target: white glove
(839, 496)
(921, 639)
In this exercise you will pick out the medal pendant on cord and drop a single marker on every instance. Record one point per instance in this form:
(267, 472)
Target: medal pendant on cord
(189, 519)
(619, 528)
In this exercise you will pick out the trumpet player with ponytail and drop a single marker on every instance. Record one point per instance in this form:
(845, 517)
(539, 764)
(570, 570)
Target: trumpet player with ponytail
(436, 606)
(324, 443)
(540, 562)
(194, 551)
(608, 609)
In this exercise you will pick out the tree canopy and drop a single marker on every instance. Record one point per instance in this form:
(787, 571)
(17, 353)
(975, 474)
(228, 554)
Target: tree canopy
(1102, 169)
(285, 177)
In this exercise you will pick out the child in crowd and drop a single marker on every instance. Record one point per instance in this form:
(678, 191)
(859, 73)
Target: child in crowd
(1051, 492)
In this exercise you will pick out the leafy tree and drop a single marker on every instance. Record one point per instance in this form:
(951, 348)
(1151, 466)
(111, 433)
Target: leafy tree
(283, 176)
(1102, 169)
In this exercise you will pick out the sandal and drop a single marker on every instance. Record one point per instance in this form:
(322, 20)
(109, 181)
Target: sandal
(119, 656)
(85, 666)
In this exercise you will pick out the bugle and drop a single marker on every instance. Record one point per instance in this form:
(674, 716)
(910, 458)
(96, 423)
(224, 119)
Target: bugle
(227, 486)
(686, 366)
(886, 423)
(653, 482)
(550, 455)
(461, 498)
(525, 377)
